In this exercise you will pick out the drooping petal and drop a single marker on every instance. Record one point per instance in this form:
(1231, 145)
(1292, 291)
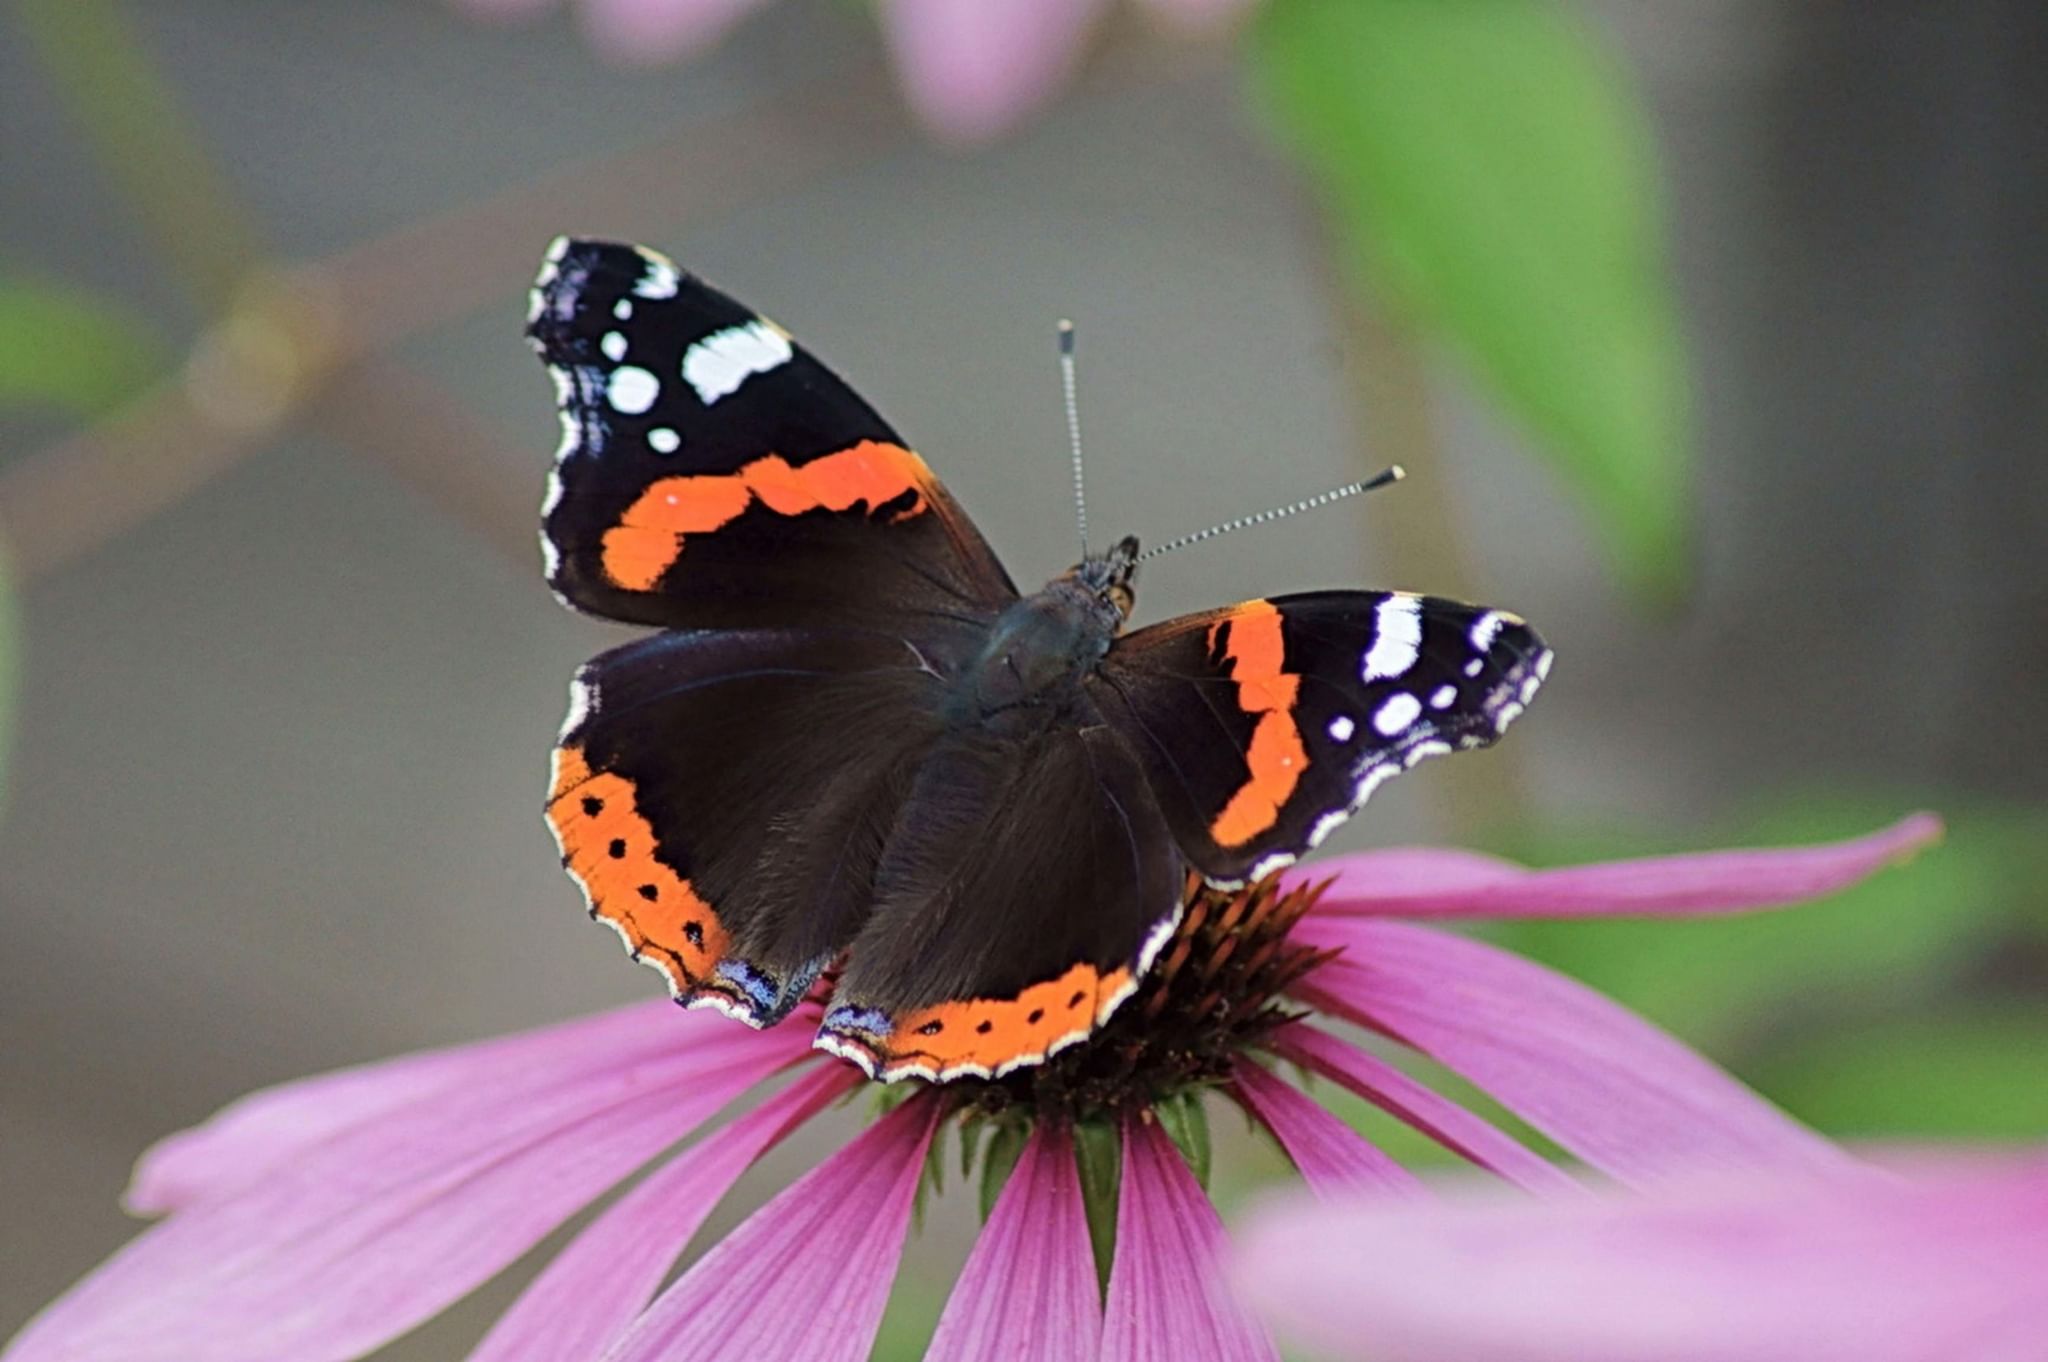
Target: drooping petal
(1028, 1290)
(250, 1137)
(1615, 1090)
(1333, 1158)
(646, 32)
(1450, 1125)
(807, 1275)
(585, 1299)
(359, 1238)
(1423, 883)
(973, 68)
(1166, 1299)
(1741, 1269)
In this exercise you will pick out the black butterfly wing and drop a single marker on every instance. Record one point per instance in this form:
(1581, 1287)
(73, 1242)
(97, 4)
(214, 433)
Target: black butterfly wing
(723, 796)
(713, 474)
(1265, 725)
(1026, 888)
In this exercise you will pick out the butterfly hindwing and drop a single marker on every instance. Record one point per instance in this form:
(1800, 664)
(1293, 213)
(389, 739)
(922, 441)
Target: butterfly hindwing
(722, 797)
(1265, 725)
(1026, 888)
(712, 473)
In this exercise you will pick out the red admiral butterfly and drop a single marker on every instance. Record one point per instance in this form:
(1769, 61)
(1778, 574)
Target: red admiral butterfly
(855, 741)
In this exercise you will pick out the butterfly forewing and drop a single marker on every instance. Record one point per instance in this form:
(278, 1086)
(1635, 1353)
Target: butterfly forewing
(1264, 726)
(712, 473)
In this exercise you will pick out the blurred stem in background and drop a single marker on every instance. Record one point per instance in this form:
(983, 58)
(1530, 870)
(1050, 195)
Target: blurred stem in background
(148, 147)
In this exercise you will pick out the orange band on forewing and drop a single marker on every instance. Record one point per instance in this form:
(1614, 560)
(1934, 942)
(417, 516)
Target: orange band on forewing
(650, 537)
(609, 847)
(1275, 757)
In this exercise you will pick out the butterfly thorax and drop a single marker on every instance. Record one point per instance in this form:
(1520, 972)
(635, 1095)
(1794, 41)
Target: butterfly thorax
(1044, 645)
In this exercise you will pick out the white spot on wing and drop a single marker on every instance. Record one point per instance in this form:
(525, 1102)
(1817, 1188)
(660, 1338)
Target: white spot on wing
(662, 440)
(1416, 753)
(661, 278)
(1326, 825)
(718, 364)
(554, 496)
(1395, 713)
(1475, 666)
(632, 390)
(1396, 638)
(582, 704)
(1279, 860)
(613, 345)
(623, 309)
(1342, 727)
(1485, 629)
(1443, 697)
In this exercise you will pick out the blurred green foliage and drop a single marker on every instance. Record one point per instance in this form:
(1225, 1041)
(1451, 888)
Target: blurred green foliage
(1915, 1003)
(64, 348)
(1488, 174)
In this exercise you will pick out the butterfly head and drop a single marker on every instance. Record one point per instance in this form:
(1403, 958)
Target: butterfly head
(1110, 577)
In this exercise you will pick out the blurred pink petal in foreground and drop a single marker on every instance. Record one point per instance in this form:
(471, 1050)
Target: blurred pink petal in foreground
(1944, 1266)
(971, 69)
(318, 1220)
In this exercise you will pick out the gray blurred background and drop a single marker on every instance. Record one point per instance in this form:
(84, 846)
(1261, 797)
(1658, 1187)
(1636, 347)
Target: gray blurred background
(275, 794)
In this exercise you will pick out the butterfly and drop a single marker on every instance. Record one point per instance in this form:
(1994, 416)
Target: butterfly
(854, 744)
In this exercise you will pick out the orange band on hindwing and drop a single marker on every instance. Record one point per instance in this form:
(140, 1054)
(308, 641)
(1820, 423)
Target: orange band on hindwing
(609, 847)
(652, 534)
(988, 1036)
(1256, 651)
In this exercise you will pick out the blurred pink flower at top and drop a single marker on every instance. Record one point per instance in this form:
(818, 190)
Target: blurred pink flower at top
(971, 69)
(1949, 1264)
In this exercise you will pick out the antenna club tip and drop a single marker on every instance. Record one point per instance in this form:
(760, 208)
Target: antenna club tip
(1395, 472)
(1066, 337)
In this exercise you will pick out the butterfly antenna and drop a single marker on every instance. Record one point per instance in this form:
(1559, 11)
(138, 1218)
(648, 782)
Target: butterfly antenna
(1074, 428)
(1351, 489)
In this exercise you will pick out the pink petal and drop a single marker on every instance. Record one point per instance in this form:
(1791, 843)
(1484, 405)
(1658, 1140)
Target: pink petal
(973, 68)
(1443, 1120)
(588, 1295)
(648, 32)
(807, 1275)
(1752, 1269)
(1607, 1085)
(364, 1235)
(1028, 1290)
(1332, 1156)
(1166, 1303)
(1417, 882)
(250, 1137)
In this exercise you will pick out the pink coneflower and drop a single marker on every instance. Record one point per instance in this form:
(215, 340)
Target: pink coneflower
(970, 69)
(1944, 1264)
(317, 1220)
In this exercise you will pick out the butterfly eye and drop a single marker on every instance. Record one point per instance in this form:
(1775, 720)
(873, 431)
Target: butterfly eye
(1123, 598)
